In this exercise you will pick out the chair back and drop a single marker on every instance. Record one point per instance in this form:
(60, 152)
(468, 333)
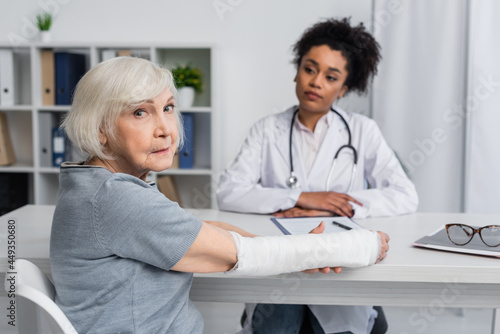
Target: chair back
(35, 295)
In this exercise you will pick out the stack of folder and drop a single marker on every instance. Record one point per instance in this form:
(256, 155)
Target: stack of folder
(61, 71)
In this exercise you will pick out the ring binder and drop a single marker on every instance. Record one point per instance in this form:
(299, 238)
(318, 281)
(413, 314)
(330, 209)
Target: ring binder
(6, 77)
(186, 156)
(7, 156)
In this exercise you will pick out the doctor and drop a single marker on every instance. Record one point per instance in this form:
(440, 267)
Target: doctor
(286, 165)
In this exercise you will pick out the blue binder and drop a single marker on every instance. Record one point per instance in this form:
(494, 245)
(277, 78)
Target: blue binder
(186, 154)
(58, 147)
(69, 68)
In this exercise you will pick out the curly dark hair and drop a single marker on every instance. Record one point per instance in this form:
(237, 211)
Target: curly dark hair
(358, 46)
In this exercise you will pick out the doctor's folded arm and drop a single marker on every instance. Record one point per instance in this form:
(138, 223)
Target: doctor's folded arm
(315, 159)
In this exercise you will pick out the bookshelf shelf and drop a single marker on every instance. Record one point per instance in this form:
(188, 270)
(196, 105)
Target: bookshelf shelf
(54, 108)
(31, 119)
(20, 108)
(48, 170)
(17, 168)
(197, 109)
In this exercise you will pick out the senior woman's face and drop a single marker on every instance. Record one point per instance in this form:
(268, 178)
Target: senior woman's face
(146, 137)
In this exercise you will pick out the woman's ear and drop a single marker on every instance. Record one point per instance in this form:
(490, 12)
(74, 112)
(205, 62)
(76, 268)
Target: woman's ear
(102, 138)
(342, 92)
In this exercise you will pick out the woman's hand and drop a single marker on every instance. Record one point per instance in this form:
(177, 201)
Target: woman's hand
(337, 203)
(318, 230)
(300, 212)
(384, 246)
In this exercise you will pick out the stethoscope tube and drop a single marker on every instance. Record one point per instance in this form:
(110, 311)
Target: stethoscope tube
(292, 181)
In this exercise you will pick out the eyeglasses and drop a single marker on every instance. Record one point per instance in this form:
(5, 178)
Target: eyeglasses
(461, 234)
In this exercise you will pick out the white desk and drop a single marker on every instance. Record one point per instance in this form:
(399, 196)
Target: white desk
(407, 277)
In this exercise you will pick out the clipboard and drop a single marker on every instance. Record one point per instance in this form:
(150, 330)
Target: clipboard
(304, 225)
(439, 240)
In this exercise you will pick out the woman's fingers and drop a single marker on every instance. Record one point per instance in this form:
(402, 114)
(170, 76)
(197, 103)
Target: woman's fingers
(384, 238)
(318, 229)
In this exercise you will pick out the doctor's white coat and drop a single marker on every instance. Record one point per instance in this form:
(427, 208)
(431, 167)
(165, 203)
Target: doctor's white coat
(256, 180)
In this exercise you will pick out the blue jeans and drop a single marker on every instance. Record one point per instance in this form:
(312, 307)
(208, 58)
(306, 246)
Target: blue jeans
(284, 319)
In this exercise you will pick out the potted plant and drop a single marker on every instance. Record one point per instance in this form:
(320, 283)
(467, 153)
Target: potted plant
(188, 80)
(44, 22)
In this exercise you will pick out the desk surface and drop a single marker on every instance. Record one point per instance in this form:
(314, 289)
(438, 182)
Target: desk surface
(409, 276)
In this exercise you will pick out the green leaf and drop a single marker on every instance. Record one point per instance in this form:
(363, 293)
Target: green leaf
(188, 76)
(44, 21)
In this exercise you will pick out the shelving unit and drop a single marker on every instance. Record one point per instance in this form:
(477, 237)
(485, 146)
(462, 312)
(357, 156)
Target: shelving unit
(29, 121)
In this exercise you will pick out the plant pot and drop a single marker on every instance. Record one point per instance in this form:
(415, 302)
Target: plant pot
(186, 97)
(45, 36)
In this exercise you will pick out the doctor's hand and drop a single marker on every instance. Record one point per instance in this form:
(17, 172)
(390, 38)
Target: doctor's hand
(318, 230)
(337, 203)
(300, 212)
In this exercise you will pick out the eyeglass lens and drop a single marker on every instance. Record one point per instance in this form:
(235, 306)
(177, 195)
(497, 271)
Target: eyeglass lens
(491, 236)
(462, 234)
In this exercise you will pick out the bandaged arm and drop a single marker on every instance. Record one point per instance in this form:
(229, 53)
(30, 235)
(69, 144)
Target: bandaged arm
(262, 256)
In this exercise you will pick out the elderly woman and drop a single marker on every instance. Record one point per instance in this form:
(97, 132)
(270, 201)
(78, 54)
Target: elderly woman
(122, 254)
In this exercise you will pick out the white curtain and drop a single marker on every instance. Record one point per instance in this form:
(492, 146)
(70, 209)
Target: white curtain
(418, 95)
(483, 106)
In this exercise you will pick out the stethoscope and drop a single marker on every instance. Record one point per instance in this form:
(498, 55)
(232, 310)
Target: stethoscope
(293, 182)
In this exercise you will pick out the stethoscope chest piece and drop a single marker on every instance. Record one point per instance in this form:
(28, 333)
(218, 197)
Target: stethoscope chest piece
(292, 181)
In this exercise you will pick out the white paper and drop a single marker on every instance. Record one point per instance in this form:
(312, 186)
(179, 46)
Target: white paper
(304, 225)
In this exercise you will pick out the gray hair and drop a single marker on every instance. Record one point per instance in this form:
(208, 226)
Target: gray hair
(106, 91)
